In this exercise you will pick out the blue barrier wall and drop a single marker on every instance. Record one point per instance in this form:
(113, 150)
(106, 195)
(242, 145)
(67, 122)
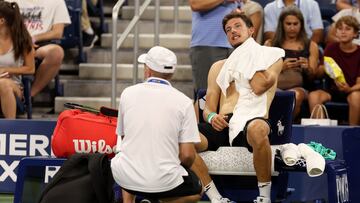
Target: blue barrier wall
(351, 143)
(19, 138)
(312, 188)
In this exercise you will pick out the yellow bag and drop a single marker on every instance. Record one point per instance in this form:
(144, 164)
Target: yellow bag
(333, 69)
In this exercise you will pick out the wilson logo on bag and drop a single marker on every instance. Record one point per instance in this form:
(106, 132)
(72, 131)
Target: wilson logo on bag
(80, 131)
(88, 146)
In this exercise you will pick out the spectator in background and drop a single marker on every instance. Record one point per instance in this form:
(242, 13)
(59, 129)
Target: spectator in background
(16, 56)
(207, 48)
(301, 54)
(347, 55)
(208, 41)
(45, 21)
(310, 10)
(344, 4)
(89, 35)
(256, 14)
(351, 11)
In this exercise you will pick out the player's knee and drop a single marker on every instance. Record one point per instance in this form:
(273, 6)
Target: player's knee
(257, 132)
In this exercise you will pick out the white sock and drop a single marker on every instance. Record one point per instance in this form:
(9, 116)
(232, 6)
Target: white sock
(212, 192)
(89, 31)
(264, 189)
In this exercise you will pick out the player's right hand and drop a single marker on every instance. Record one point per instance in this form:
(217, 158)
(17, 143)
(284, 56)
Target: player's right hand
(219, 122)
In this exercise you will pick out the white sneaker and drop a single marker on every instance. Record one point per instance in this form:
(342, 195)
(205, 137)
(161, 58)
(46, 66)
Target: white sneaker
(260, 199)
(223, 200)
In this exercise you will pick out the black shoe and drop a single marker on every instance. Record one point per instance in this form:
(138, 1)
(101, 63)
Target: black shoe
(89, 40)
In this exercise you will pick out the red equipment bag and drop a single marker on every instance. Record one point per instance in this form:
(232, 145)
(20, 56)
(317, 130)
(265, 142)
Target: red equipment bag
(84, 129)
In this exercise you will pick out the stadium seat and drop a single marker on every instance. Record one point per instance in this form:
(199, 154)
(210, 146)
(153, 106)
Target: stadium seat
(72, 37)
(25, 105)
(338, 111)
(31, 174)
(327, 9)
(280, 116)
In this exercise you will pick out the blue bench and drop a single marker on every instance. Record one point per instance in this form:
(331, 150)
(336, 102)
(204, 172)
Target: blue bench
(31, 175)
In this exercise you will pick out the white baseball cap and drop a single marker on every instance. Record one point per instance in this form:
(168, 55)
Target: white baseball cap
(159, 59)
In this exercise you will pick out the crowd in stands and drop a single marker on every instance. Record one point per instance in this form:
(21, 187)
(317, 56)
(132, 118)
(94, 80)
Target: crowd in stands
(44, 21)
(347, 55)
(297, 27)
(301, 53)
(294, 25)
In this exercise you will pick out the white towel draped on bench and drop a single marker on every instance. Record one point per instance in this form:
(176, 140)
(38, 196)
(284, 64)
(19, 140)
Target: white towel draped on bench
(233, 161)
(239, 161)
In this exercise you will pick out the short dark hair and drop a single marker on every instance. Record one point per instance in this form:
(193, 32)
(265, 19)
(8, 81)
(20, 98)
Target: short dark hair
(236, 14)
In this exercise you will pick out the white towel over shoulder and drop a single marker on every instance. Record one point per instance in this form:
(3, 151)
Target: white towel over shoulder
(240, 67)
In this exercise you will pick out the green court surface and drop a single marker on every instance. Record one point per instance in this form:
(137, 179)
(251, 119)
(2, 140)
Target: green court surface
(6, 198)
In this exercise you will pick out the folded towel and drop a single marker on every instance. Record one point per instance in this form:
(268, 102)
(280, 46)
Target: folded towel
(315, 163)
(290, 154)
(240, 67)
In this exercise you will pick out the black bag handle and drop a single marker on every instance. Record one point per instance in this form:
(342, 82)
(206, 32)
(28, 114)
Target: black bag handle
(109, 111)
(103, 110)
(81, 107)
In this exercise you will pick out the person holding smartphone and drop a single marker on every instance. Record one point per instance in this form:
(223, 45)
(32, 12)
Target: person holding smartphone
(301, 54)
(16, 57)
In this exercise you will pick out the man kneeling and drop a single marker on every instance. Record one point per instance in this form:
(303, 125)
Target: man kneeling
(158, 128)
